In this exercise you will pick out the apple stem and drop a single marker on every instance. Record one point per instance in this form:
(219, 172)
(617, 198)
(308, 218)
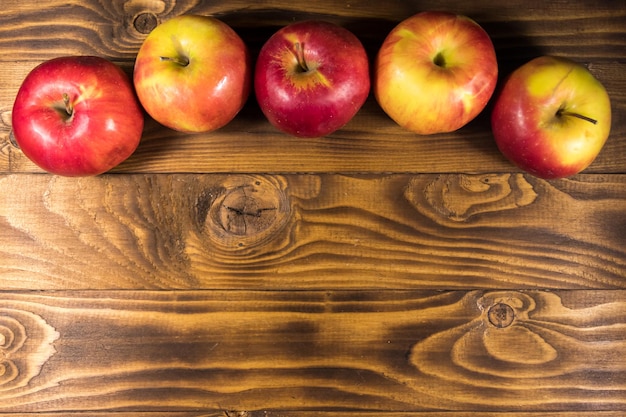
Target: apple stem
(69, 109)
(182, 61)
(300, 57)
(578, 115)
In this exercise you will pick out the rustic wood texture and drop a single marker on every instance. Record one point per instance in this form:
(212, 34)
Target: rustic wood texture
(364, 350)
(312, 231)
(264, 413)
(374, 272)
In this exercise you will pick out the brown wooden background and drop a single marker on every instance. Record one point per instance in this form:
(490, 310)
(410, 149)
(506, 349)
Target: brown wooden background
(369, 273)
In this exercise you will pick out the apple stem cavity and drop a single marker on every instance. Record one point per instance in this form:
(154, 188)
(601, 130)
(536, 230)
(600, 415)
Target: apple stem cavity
(300, 57)
(182, 61)
(561, 113)
(439, 60)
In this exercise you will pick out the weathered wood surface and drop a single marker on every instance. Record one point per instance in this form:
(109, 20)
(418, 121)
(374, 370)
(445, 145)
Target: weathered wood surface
(264, 413)
(590, 33)
(312, 232)
(370, 273)
(359, 350)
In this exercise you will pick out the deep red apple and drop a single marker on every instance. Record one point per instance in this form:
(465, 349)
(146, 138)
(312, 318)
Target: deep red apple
(551, 117)
(77, 116)
(311, 78)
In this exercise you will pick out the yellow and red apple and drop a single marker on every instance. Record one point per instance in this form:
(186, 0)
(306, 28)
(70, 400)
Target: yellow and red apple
(435, 72)
(193, 73)
(552, 117)
(311, 78)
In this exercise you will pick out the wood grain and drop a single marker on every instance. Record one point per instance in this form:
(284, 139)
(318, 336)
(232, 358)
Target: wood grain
(358, 350)
(265, 413)
(245, 273)
(312, 232)
(112, 29)
(371, 142)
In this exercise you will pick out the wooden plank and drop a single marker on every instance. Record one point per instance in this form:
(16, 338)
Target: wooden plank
(292, 413)
(371, 142)
(312, 232)
(313, 350)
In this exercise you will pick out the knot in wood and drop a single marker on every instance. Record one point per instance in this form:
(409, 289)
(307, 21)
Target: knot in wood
(145, 22)
(26, 343)
(501, 315)
(9, 335)
(12, 338)
(466, 197)
(246, 211)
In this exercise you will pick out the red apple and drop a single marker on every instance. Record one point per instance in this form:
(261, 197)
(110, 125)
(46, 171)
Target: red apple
(551, 117)
(435, 72)
(193, 73)
(77, 116)
(311, 78)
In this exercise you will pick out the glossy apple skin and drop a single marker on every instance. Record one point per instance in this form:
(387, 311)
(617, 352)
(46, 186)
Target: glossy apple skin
(435, 72)
(528, 130)
(325, 98)
(105, 126)
(204, 95)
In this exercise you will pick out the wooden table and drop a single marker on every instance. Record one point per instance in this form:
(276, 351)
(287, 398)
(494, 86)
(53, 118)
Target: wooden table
(373, 272)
